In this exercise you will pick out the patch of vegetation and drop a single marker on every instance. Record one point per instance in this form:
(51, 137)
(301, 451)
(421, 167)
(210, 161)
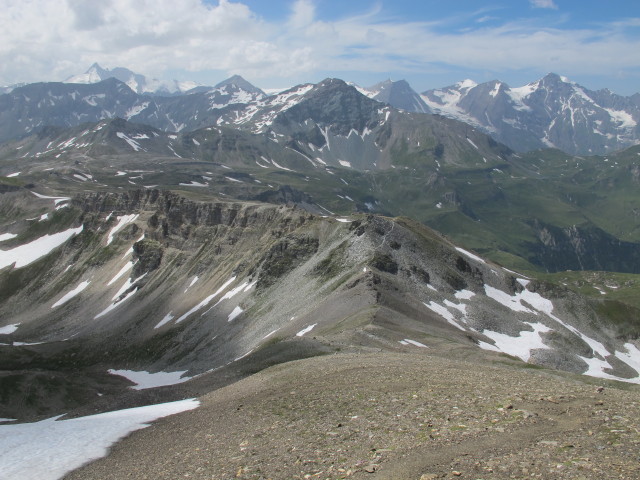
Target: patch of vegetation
(421, 273)
(332, 265)
(384, 262)
(284, 256)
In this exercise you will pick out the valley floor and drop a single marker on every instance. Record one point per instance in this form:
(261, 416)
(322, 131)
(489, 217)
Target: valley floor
(392, 416)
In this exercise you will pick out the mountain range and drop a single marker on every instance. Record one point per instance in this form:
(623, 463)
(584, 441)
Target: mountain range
(158, 246)
(552, 112)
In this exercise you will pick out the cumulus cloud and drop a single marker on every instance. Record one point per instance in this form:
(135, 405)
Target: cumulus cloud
(53, 39)
(543, 4)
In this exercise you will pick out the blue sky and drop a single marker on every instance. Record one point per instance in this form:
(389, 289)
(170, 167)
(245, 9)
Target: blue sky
(279, 43)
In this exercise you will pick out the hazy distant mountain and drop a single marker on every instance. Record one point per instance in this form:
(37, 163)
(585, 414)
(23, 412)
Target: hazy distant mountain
(240, 83)
(551, 112)
(137, 82)
(398, 94)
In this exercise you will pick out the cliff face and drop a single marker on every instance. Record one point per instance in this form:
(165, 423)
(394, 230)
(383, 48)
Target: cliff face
(582, 248)
(152, 281)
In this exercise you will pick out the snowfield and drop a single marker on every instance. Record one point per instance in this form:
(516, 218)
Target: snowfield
(30, 252)
(51, 448)
(144, 380)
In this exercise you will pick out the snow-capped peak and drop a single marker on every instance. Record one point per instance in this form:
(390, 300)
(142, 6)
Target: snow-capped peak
(137, 82)
(466, 84)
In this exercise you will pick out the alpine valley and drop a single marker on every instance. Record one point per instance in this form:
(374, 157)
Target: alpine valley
(425, 275)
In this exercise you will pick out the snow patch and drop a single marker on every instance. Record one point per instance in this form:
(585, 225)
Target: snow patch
(122, 222)
(132, 143)
(123, 270)
(68, 296)
(167, 318)
(207, 300)
(194, 184)
(519, 346)
(56, 200)
(144, 380)
(28, 253)
(234, 314)
(306, 330)
(470, 255)
(408, 341)
(445, 313)
(51, 448)
(464, 294)
(471, 142)
(193, 282)
(9, 329)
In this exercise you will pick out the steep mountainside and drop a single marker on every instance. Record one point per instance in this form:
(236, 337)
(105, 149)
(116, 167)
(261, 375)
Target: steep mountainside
(552, 112)
(151, 281)
(541, 211)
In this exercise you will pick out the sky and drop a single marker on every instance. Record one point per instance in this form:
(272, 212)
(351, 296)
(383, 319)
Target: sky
(281, 43)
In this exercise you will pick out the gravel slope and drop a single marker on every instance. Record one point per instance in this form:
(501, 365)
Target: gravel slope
(392, 416)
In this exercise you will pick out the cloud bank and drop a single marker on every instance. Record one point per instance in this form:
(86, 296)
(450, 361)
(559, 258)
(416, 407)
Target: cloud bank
(52, 39)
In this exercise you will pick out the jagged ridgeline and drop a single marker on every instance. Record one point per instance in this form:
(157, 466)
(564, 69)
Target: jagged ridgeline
(149, 280)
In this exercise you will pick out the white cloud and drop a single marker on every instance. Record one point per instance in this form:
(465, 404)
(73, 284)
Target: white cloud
(543, 4)
(52, 39)
(303, 13)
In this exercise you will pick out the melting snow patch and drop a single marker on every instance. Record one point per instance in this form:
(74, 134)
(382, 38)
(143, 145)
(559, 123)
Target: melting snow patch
(471, 142)
(11, 175)
(132, 143)
(144, 380)
(344, 220)
(344, 163)
(519, 346)
(7, 236)
(464, 294)
(445, 313)
(306, 330)
(408, 341)
(193, 282)
(270, 333)
(68, 296)
(470, 255)
(194, 184)
(280, 166)
(114, 305)
(122, 221)
(49, 449)
(8, 329)
(25, 254)
(167, 318)
(122, 271)
(232, 316)
(207, 300)
(56, 200)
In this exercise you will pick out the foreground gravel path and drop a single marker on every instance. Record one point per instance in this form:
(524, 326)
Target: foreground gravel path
(391, 416)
